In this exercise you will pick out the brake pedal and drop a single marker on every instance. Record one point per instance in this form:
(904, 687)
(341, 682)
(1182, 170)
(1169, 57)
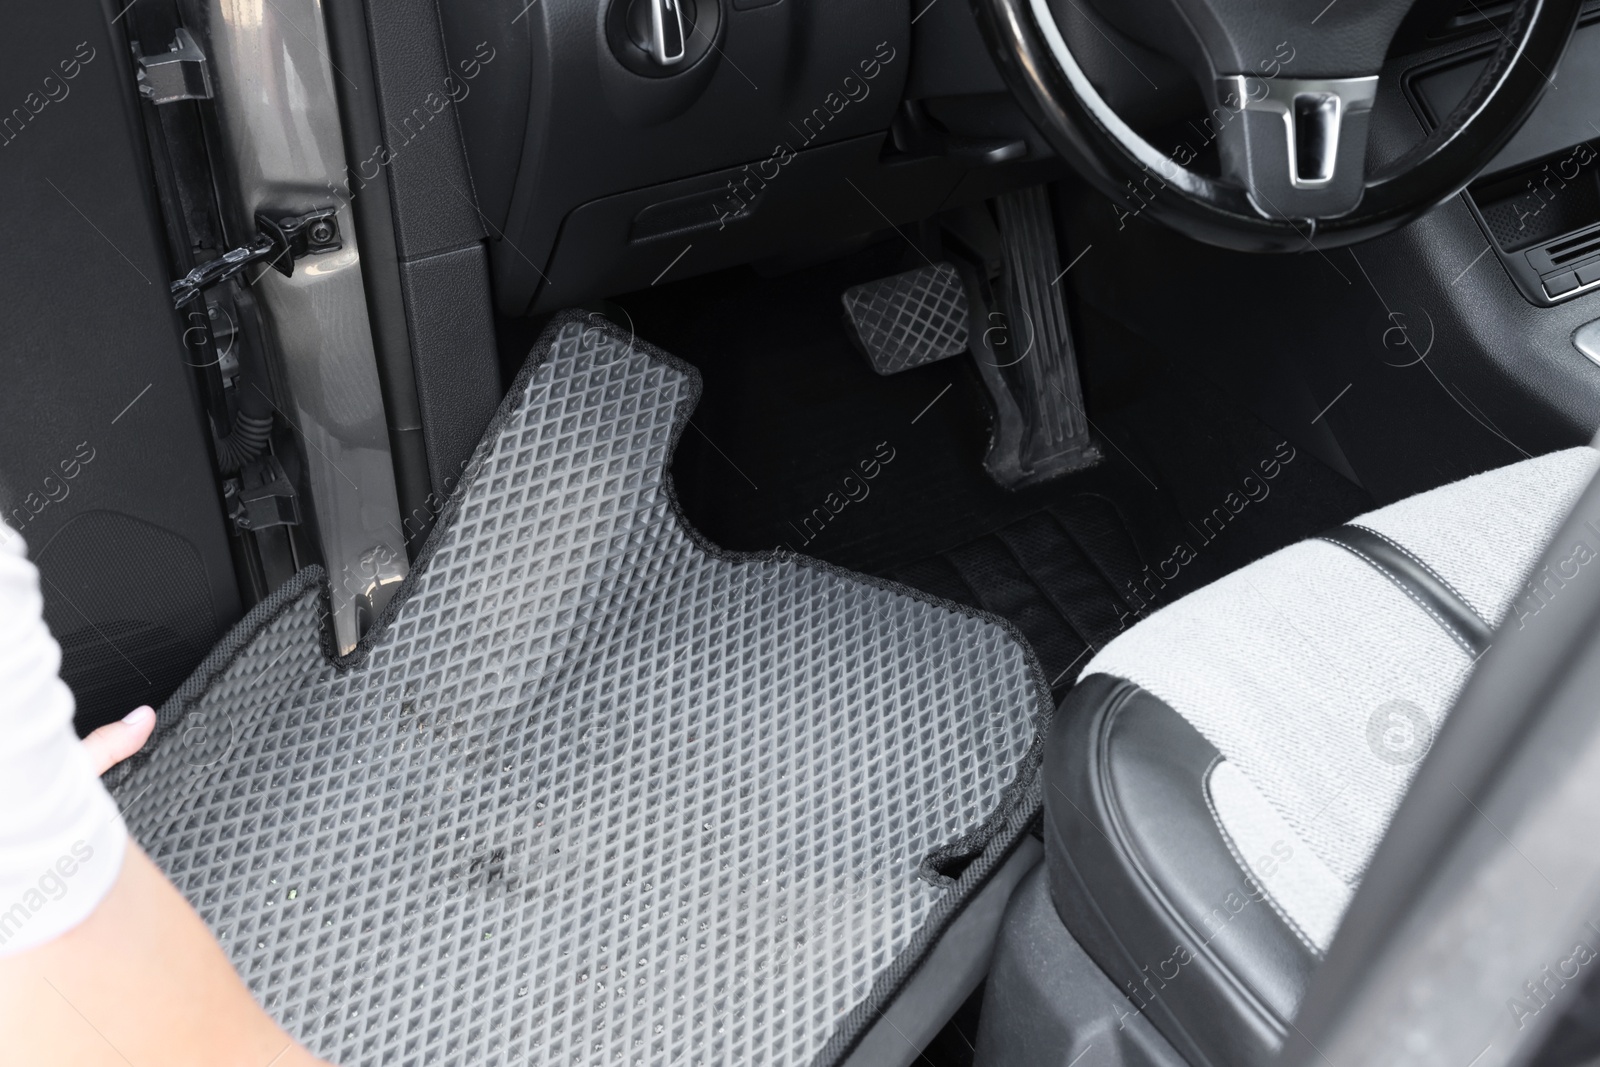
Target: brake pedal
(1005, 307)
(907, 320)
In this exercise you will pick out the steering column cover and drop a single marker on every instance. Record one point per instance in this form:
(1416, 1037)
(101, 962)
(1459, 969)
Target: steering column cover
(1296, 38)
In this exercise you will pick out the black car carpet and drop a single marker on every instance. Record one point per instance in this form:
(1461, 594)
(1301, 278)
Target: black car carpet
(799, 444)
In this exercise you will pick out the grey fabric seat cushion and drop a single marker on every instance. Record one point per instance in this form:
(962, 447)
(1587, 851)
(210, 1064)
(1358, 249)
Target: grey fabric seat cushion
(1219, 781)
(1308, 669)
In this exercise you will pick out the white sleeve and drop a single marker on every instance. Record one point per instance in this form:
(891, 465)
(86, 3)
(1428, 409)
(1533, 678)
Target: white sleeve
(61, 837)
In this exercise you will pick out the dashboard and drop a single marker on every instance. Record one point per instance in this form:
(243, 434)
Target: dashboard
(617, 144)
(786, 123)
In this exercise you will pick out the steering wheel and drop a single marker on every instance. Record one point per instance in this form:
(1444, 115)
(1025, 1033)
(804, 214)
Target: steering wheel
(1291, 133)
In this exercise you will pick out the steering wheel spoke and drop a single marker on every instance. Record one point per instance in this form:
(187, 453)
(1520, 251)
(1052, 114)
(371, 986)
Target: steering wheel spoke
(1297, 146)
(1291, 126)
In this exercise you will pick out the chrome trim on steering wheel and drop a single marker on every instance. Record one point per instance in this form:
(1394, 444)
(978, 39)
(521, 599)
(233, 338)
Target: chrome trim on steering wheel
(1053, 89)
(1330, 99)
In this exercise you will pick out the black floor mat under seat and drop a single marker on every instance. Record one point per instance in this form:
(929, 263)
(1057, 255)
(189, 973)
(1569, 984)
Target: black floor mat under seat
(592, 790)
(1067, 577)
(799, 444)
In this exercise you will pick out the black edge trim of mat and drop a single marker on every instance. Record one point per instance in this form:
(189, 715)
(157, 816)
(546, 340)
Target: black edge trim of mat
(171, 713)
(991, 841)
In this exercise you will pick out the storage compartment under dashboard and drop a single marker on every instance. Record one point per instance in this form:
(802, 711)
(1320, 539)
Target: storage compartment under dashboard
(1539, 200)
(1545, 221)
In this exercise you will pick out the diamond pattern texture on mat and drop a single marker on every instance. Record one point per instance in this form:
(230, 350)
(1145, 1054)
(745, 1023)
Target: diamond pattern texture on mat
(910, 319)
(595, 796)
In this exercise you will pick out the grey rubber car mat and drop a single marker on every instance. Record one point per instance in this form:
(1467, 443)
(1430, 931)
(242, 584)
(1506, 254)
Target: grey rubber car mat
(591, 791)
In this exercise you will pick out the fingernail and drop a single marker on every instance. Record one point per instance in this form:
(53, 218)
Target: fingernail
(138, 714)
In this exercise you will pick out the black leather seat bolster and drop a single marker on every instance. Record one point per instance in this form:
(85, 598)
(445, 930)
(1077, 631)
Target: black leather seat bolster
(1147, 883)
(1424, 585)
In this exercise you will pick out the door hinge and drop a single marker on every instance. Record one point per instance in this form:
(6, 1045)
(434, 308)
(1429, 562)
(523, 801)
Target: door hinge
(262, 496)
(279, 241)
(181, 73)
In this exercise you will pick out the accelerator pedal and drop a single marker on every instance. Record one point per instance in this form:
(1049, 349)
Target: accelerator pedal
(1001, 300)
(1025, 353)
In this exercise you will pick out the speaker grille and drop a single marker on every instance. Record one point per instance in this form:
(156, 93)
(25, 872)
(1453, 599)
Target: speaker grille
(129, 603)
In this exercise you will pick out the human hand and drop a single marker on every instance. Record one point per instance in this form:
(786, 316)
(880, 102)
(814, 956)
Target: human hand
(116, 741)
